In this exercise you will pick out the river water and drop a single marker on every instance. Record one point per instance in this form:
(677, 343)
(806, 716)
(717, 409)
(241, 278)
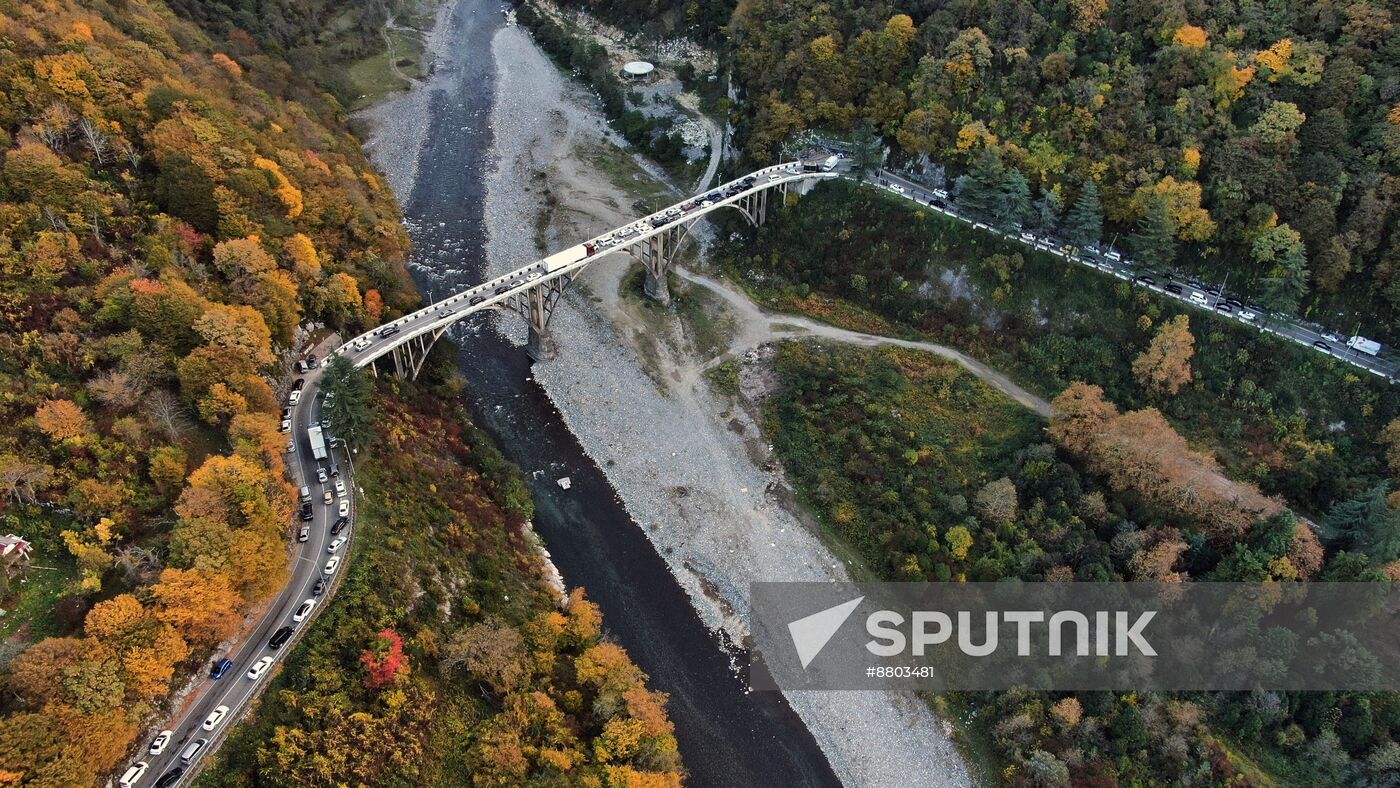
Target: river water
(727, 735)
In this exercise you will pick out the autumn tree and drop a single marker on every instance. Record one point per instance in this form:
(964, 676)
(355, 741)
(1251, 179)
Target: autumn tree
(384, 661)
(202, 606)
(1165, 366)
(62, 420)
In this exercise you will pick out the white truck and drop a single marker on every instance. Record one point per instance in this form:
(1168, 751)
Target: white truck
(1368, 346)
(318, 442)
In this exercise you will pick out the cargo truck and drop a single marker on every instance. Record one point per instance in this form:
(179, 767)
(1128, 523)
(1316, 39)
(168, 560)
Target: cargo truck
(1368, 346)
(318, 443)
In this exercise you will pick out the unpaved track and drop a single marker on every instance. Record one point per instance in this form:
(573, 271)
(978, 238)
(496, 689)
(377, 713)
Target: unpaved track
(757, 326)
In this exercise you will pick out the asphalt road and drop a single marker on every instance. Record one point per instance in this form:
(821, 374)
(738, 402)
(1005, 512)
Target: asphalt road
(235, 689)
(1197, 295)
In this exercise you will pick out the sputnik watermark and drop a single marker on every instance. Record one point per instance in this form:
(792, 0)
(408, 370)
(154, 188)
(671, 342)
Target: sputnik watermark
(888, 639)
(1076, 636)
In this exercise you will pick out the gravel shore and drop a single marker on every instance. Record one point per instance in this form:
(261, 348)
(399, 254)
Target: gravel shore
(682, 471)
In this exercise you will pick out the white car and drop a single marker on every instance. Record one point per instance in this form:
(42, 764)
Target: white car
(304, 611)
(215, 717)
(532, 276)
(320, 474)
(287, 426)
(291, 445)
(132, 775)
(335, 544)
(896, 188)
(159, 743)
(260, 667)
(344, 509)
(294, 397)
(361, 344)
(340, 488)
(331, 566)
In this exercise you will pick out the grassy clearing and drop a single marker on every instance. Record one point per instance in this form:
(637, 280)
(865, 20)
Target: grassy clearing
(29, 598)
(648, 194)
(377, 76)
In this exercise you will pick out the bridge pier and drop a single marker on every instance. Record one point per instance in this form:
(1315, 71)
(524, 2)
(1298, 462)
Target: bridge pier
(539, 307)
(540, 346)
(656, 287)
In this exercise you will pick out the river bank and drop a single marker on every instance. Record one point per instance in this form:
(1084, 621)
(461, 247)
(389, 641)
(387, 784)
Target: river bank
(685, 473)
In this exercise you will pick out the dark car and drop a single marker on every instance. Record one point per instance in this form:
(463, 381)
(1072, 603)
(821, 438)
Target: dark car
(335, 469)
(339, 525)
(170, 778)
(712, 196)
(476, 300)
(690, 206)
(221, 667)
(319, 588)
(310, 361)
(1174, 289)
(1234, 302)
(502, 290)
(280, 638)
(1320, 345)
(286, 413)
(298, 383)
(388, 331)
(1145, 280)
(306, 512)
(1224, 308)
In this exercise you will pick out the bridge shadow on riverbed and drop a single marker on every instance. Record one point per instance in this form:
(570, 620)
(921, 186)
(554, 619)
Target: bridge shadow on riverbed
(728, 736)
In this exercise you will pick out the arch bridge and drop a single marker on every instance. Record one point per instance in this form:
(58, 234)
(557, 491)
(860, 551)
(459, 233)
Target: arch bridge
(533, 291)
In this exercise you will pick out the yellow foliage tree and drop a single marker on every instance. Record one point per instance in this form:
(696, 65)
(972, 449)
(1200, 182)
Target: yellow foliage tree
(62, 420)
(1191, 37)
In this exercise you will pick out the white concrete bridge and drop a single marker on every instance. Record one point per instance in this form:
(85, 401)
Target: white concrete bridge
(534, 290)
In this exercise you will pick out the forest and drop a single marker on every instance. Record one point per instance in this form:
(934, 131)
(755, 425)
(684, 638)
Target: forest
(445, 654)
(1294, 423)
(180, 212)
(933, 475)
(1258, 141)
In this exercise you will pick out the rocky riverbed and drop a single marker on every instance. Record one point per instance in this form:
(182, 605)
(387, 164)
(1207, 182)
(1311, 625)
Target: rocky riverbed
(684, 472)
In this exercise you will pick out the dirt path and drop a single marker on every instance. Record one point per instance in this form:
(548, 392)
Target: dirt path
(713, 131)
(757, 326)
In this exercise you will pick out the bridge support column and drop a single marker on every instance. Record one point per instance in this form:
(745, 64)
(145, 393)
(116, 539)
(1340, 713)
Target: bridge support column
(656, 256)
(539, 345)
(409, 357)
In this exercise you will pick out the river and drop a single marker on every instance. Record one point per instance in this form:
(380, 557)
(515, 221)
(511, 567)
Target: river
(728, 736)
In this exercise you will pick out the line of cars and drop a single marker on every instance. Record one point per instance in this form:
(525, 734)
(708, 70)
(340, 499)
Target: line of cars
(326, 474)
(505, 283)
(1188, 289)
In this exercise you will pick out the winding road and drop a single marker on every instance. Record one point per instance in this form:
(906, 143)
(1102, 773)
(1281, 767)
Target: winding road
(234, 689)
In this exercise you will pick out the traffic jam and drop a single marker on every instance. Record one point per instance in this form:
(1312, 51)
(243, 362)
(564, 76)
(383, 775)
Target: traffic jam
(495, 290)
(1356, 350)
